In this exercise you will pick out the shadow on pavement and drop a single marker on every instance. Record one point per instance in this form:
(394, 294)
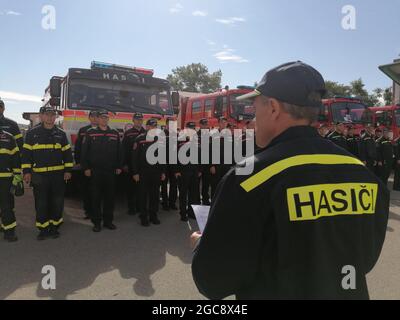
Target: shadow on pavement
(80, 256)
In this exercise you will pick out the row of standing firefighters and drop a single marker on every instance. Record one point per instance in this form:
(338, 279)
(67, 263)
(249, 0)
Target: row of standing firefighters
(45, 160)
(143, 182)
(375, 147)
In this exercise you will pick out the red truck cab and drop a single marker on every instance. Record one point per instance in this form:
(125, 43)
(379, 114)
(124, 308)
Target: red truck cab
(387, 117)
(215, 105)
(345, 109)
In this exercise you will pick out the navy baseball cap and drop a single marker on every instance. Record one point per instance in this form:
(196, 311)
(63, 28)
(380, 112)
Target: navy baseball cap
(296, 83)
(93, 113)
(191, 125)
(152, 122)
(138, 116)
(47, 109)
(103, 113)
(204, 121)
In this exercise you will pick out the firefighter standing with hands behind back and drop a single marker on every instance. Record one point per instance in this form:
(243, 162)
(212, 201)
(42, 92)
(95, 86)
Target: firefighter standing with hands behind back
(127, 143)
(87, 202)
(149, 176)
(102, 159)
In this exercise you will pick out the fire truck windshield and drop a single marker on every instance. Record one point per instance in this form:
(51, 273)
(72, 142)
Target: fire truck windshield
(242, 108)
(351, 112)
(118, 97)
(397, 116)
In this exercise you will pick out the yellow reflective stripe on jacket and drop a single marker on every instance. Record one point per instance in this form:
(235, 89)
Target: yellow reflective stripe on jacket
(56, 223)
(68, 165)
(42, 225)
(17, 170)
(6, 174)
(26, 166)
(280, 166)
(46, 146)
(9, 152)
(10, 226)
(18, 136)
(27, 146)
(65, 148)
(48, 169)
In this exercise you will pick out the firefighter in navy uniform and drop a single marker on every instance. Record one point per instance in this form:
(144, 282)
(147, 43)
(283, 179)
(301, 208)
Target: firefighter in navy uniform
(396, 150)
(149, 176)
(127, 143)
(218, 171)
(205, 177)
(188, 174)
(385, 156)
(47, 163)
(169, 195)
(338, 137)
(288, 228)
(102, 160)
(368, 154)
(352, 142)
(12, 128)
(85, 186)
(10, 166)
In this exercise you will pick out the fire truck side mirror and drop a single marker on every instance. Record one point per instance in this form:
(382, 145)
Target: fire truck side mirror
(175, 99)
(55, 87)
(55, 102)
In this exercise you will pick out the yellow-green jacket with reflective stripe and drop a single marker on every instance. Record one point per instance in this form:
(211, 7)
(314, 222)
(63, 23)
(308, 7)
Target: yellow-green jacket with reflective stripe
(10, 161)
(46, 150)
(12, 128)
(294, 226)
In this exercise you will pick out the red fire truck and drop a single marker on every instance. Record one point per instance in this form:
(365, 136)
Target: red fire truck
(223, 103)
(345, 109)
(121, 90)
(215, 105)
(387, 117)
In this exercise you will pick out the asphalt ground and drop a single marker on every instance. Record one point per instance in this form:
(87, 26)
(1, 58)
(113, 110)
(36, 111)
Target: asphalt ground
(133, 262)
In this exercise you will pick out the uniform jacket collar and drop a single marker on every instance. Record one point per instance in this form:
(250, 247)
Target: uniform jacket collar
(295, 133)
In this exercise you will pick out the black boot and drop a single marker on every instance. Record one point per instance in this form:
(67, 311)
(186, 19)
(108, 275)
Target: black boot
(10, 236)
(144, 221)
(43, 234)
(97, 227)
(53, 232)
(109, 226)
(184, 218)
(154, 220)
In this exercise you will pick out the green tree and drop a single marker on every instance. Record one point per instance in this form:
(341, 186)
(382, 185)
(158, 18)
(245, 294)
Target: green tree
(358, 90)
(388, 96)
(336, 89)
(195, 78)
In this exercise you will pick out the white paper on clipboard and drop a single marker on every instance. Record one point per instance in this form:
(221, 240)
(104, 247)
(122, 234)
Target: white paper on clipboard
(201, 213)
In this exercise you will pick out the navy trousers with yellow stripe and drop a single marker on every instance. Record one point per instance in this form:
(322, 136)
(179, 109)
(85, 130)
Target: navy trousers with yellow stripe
(48, 190)
(8, 221)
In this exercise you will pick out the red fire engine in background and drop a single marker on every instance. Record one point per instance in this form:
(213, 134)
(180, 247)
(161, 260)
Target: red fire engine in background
(345, 109)
(387, 117)
(215, 105)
